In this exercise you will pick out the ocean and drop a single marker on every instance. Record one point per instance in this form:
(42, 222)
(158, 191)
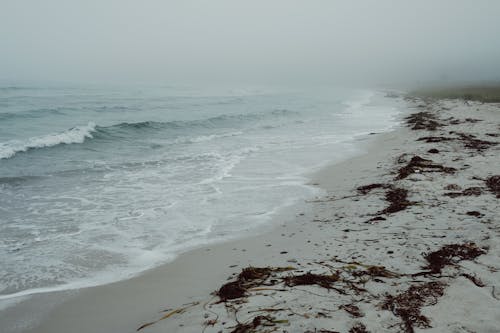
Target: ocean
(99, 183)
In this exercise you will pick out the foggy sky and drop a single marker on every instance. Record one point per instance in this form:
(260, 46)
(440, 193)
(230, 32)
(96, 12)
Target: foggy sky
(250, 41)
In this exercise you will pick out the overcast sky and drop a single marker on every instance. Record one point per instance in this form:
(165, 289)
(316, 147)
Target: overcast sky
(252, 40)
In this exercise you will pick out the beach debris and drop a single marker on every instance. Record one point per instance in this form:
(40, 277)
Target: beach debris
(325, 281)
(359, 328)
(474, 213)
(423, 120)
(231, 290)
(471, 191)
(248, 278)
(376, 219)
(408, 304)
(434, 139)
(367, 188)
(493, 184)
(433, 151)
(455, 121)
(397, 198)
(376, 271)
(418, 164)
(477, 281)
(452, 187)
(353, 310)
(470, 141)
(257, 322)
(169, 314)
(450, 255)
(321, 331)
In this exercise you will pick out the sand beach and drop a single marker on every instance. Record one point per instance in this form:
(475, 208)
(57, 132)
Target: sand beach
(405, 239)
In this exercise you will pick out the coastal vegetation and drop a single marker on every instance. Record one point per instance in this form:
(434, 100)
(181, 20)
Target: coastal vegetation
(487, 93)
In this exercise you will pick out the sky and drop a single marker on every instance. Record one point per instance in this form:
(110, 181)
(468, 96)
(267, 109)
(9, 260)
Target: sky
(250, 41)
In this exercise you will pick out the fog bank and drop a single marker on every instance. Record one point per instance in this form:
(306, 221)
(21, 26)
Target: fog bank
(250, 41)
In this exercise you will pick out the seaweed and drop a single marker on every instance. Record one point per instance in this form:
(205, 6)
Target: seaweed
(455, 121)
(477, 281)
(255, 323)
(376, 219)
(468, 140)
(248, 278)
(376, 271)
(493, 184)
(474, 213)
(358, 328)
(231, 290)
(471, 142)
(471, 191)
(397, 199)
(408, 304)
(434, 139)
(450, 255)
(367, 188)
(418, 164)
(423, 120)
(169, 314)
(352, 309)
(325, 281)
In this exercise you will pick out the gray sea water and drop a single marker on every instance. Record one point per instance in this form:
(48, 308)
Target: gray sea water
(98, 183)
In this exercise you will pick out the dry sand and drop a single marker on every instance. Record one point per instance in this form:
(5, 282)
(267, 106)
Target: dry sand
(351, 262)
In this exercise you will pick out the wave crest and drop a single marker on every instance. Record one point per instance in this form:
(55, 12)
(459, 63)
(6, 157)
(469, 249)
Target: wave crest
(76, 134)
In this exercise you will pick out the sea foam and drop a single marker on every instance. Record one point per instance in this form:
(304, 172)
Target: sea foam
(76, 134)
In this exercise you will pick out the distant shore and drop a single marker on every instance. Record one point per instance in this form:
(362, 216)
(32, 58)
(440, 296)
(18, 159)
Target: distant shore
(406, 237)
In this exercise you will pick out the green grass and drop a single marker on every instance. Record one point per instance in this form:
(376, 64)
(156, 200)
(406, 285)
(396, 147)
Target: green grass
(483, 93)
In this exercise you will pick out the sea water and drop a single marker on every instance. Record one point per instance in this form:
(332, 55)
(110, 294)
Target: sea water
(98, 183)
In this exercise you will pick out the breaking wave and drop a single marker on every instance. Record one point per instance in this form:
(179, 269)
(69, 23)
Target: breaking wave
(76, 134)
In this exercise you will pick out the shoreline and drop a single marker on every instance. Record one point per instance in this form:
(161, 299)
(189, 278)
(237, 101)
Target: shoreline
(304, 238)
(44, 302)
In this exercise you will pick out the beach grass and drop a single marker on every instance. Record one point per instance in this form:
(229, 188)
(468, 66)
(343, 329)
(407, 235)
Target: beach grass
(483, 93)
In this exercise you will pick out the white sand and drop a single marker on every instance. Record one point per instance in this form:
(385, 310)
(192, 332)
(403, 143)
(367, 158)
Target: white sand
(333, 226)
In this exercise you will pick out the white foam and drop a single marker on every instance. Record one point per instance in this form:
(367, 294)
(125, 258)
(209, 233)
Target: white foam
(76, 134)
(205, 138)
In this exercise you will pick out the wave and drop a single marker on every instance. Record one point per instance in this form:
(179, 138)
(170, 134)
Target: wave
(225, 119)
(124, 130)
(16, 88)
(35, 113)
(74, 135)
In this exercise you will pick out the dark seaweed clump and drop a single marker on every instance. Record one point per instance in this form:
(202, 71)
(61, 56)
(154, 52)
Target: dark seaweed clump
(450, 255)
(423, 121)
(493, 184)
(352, 309)
(408, 304)
(434, 139)
(474, 213)
(367, 188)
(248, 278)
(419, 164)
(470, 141)
(325, 281)
(471, 191)
(398, 200)
(255, 323)
(358, 328)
